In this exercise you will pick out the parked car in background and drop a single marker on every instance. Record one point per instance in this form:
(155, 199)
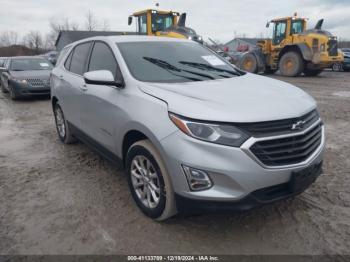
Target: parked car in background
(26, 76)
(345, 66)
(51, 56)
(194, 132)
(2, 61)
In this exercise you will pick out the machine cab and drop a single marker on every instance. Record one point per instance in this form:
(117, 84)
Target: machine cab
(287, 27)
(152, 22)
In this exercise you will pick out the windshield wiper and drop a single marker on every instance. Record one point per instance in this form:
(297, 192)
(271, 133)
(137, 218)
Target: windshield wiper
(208, 67)
(171, 68)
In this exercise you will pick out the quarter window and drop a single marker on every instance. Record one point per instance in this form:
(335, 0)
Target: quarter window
(102, 58)
(79, 57)
(68, 61)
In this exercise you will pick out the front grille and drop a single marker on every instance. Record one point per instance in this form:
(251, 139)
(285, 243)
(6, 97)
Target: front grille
(37, 82)
(288, 150)
(279, 127)
(333, 47)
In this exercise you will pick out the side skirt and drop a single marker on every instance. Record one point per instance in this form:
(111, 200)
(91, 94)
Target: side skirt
(95, 146)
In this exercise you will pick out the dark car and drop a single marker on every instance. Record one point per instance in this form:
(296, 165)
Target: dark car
(2, 61)
(51, 56)
(26, 76)
(346, 64)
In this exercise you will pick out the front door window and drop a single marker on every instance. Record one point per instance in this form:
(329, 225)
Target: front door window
(279, 32)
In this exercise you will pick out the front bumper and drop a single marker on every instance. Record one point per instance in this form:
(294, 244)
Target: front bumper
(324, 60)
(27, 90)
(236, 175)
(257, 198)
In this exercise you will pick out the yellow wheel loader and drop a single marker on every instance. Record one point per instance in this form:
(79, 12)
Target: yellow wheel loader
(293, 49)
(163, 23)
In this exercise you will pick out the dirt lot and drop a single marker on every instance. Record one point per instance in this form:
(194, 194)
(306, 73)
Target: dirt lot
(58, 199)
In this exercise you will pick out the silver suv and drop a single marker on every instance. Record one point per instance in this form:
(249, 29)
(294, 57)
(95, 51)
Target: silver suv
(194, 132)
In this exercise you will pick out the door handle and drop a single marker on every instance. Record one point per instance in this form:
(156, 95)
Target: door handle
(60, 77)
(83, 88)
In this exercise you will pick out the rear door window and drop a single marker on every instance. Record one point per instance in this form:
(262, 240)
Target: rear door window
(102, 58)
(79, 58)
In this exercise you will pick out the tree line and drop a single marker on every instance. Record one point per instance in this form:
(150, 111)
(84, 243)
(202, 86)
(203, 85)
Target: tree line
(35, 42)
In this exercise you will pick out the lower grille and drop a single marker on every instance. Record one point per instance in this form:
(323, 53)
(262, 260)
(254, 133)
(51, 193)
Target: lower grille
(37, 82)
(288, 150)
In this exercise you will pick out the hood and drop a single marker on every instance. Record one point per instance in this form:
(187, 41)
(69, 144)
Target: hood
(41, 74)
(248, 98)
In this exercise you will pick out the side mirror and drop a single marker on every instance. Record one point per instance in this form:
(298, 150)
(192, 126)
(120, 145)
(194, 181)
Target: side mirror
(129, 20)
(102, 77)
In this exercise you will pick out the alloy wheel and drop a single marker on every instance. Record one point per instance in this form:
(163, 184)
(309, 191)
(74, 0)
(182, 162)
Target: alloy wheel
(145, 181)
(61, 126)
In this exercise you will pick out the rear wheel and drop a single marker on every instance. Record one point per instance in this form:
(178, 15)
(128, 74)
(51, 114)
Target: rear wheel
(63, 130)
(149, 181)
(312, 72)
(291, 64)
(249, 63)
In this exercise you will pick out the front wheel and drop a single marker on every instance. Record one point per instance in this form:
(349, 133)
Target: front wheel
(3, 89)
(149, 181)
(291, 64)
(13, 94)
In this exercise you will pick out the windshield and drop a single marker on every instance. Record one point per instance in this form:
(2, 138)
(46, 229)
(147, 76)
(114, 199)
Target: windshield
(28, 64)
(171, 62)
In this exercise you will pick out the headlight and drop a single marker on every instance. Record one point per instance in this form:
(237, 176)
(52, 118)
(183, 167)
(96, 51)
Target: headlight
(190, 37)
(222, 134)
(20, 81)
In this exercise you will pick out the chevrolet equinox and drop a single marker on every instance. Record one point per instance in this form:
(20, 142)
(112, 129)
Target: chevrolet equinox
(193, 132)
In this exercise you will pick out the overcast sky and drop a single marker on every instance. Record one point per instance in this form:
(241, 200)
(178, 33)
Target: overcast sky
(220, 19)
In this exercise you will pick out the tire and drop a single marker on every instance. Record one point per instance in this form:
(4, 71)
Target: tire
(291, 64)
(62, 127)
(337, 67)
(3, 89)
(12, 92)
(146, 173)
(249, 63)
(314, 72)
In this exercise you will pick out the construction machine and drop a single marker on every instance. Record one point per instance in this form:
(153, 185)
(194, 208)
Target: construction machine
(163, 23)
(293, 49)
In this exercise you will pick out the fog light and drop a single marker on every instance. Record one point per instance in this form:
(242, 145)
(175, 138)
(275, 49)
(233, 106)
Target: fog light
(197, 179)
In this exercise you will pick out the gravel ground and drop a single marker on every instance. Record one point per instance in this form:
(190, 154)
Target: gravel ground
(58, 199)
